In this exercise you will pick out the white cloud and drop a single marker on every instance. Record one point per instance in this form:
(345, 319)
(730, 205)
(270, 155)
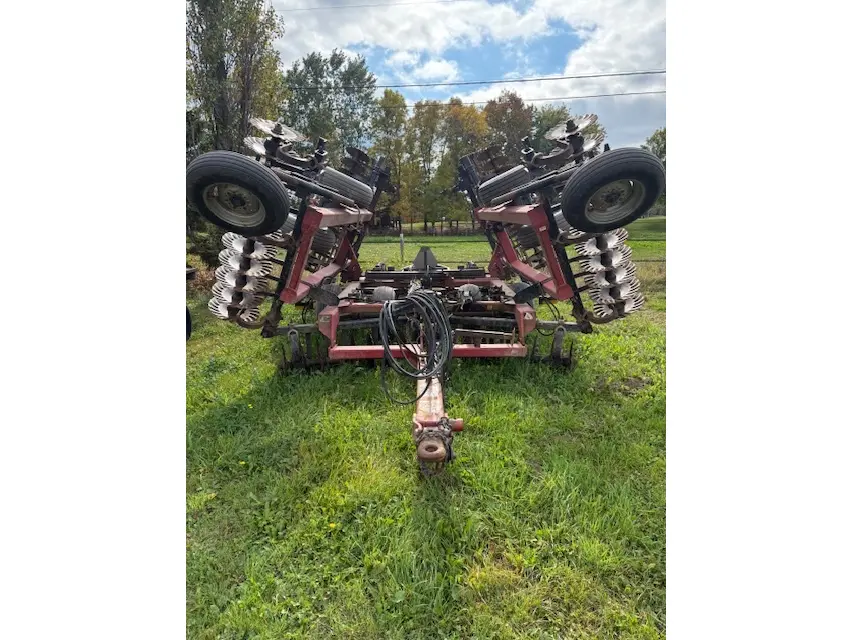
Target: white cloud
(616, 35)
(437, 69)
(402, 59)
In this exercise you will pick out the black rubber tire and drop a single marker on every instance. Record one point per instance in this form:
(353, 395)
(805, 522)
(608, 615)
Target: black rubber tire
(347, 186)
(189, 324)
(628, 163)
(503, 183)
(324, 241)
(527, 238)
(334, 288)
(235, 168)
(520, 286)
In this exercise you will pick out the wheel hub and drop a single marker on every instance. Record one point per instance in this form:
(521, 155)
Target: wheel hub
(614, 200)
(234, 204)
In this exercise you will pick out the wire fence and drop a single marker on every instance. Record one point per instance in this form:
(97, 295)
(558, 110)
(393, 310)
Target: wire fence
(447, 228)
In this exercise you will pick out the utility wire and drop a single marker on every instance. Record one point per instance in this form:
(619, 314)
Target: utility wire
(502, 81)
(362, 6)
(555, 99)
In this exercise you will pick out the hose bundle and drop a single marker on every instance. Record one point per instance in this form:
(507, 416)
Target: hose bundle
(423, 308)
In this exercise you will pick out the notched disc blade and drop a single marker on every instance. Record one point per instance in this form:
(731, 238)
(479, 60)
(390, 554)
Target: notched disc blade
(276, 130)
(574, 125)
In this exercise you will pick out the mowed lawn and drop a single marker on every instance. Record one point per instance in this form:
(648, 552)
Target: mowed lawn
(307, 516)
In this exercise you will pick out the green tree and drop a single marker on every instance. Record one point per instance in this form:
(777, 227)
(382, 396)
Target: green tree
(510, 121)
(463, 131)
(387, 128)
(424, 136)
(656, 143)
(233, 70)
(331, 97)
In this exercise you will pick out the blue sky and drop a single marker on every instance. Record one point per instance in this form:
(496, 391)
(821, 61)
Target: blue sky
(482, 40)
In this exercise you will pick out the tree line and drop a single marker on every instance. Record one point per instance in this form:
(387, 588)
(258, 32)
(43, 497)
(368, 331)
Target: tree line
(234, 72)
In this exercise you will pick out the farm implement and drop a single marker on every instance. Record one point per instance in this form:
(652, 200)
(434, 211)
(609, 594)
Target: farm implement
(294, 227)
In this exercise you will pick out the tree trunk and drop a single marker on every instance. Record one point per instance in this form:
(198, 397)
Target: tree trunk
(221, 115)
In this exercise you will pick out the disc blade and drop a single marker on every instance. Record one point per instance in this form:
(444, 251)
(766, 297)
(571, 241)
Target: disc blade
(236, 296)
(236, 280)
(592, 142)
(619, 309)
(615, 293)
(618, 275)
(246, 266)
(248, 247)
(286, 229)
(601, 243)
(276, 130)
(607, 261)
(573, 126)
(221, 310)
(255, 146)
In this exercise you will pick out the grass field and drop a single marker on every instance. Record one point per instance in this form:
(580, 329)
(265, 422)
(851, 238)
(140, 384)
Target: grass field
(307, 516)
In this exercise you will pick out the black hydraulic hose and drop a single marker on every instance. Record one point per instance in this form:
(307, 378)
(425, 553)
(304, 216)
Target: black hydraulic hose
(436, 344)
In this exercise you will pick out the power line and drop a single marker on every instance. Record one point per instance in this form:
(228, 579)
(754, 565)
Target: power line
(555, 99)
(614, 74)
(363, 6)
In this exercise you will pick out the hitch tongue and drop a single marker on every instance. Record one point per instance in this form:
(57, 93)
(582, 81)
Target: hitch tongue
(432, 449)
(432, 430)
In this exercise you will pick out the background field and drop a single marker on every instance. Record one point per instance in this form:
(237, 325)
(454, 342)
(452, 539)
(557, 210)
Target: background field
(307, 517)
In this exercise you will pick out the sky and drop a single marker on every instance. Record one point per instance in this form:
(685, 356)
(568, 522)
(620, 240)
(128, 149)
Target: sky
(481, 40)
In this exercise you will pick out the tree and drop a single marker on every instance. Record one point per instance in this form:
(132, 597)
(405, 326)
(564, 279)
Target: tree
(387, 129)
(423, 140)
(463, 131)
(545, 118)
(233, 73)
(656, 143)
(331, 97)
(510, 121)
(232, 67)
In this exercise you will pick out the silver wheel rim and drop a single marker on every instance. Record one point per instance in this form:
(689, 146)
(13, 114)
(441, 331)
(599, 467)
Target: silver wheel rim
(234, 204)
(614, 201)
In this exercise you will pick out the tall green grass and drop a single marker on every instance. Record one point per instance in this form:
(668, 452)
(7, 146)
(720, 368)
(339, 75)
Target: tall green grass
(307, 516)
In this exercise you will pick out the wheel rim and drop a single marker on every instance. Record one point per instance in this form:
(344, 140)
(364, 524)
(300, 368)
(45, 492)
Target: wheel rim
(233, 204)
(615, 201)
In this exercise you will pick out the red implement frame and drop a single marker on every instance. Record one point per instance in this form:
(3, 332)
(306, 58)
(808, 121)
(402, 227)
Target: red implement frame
(329, 317)
(345, 263)
(345, 260)
(505, 254)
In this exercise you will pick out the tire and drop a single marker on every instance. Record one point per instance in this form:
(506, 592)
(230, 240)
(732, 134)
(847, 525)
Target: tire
(333, 288)
(527, 238)
(324, 241)
(635, 175)
(347, 186)
(503, 183)
(189, 324)
(521, 286)
(265, 203)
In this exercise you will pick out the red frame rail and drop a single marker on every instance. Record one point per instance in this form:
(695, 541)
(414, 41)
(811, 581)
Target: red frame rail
(297, 285)
(506, 256)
